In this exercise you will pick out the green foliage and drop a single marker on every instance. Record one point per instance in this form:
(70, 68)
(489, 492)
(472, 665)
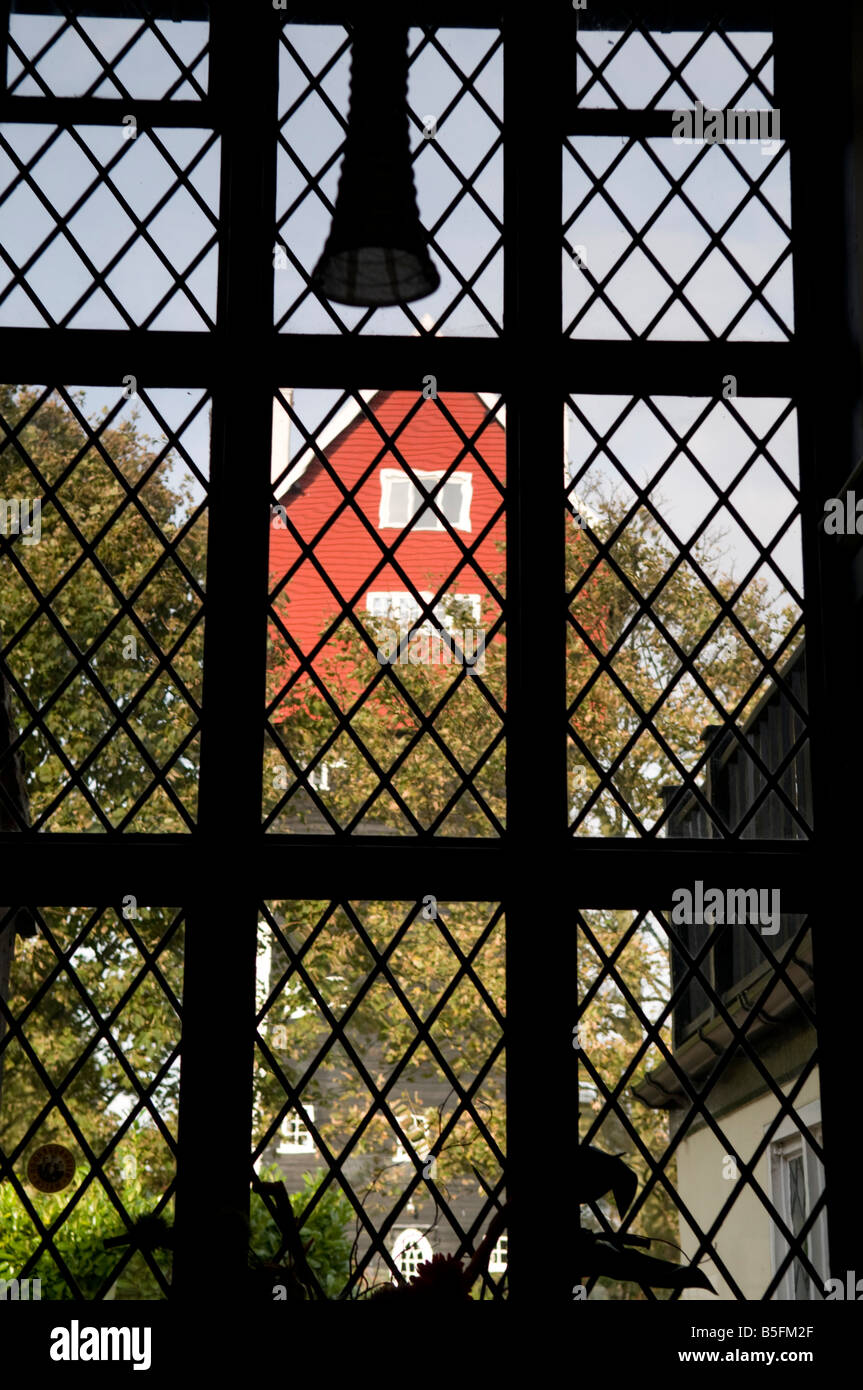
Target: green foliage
(107, 961)
(327, 1227)
(422, 778)
(80, 1241)
(128, 535)
(610, 1036)
(609, 614)
(421, 963)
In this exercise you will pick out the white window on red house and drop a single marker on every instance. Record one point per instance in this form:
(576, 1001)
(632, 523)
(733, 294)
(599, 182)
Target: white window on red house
(294, 1135)
(403, 608)
(402, 501)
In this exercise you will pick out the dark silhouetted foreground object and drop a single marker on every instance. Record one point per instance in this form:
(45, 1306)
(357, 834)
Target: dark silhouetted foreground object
(604, 1254)
(376, 251)
(599, 1173)
(148, 1233)
(295, 1278)
(444, 1279)
(606, 1257)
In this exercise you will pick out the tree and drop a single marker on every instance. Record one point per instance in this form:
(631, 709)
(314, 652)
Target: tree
(86, 591)
(116, 613)
(61, 605)
(606, 615)
(80, 1240)
(324, 1234)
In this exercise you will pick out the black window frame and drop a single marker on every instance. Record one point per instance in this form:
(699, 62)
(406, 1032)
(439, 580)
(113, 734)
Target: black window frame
(221, 871)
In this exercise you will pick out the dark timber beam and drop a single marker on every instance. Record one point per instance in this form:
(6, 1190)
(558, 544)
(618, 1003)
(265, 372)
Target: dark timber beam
(221, 942)
(618, 873)
(35, 355)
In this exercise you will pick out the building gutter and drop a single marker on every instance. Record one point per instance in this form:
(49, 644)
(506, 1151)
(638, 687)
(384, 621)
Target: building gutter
(666, 1089)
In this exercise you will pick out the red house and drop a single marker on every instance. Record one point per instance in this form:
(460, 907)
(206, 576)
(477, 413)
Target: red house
(351, 566)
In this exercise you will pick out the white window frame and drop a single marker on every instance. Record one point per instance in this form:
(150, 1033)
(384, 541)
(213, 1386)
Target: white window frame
(419, 1253)
(497, 1260)
(428, 479)
(294, 1136)
(788, 1143)
(404, 609)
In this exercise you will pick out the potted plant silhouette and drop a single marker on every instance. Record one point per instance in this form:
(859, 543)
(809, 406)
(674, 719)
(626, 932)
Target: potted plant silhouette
(606, 1254)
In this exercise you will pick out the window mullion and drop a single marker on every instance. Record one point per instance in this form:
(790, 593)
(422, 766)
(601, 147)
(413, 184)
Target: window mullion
(219, 989)
(540, 1075)
(829, 390)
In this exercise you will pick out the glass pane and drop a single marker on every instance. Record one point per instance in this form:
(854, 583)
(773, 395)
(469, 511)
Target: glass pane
(797, 1205)
(455, 100)
(426, 519)
(89, 1081)
(385, 715)
(708, 260)
(697, 1058)
(405, 1103)
(109, 227)
(634, 67)
(686, 660)
(133, 55)
(449, 501)
(102, 604)
(402, 501)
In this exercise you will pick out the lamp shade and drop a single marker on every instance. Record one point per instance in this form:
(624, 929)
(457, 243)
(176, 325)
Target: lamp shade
(376, 252)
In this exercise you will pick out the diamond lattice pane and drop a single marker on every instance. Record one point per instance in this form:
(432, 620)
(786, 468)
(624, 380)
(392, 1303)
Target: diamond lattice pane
(686, 676)
(108, 227)
(697, 1064)
(386, 670)
(455, 100)
(137, 56)
(638, 68)
(379, 1088)
(89, 1061)
(667, 240)
(102, 570)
